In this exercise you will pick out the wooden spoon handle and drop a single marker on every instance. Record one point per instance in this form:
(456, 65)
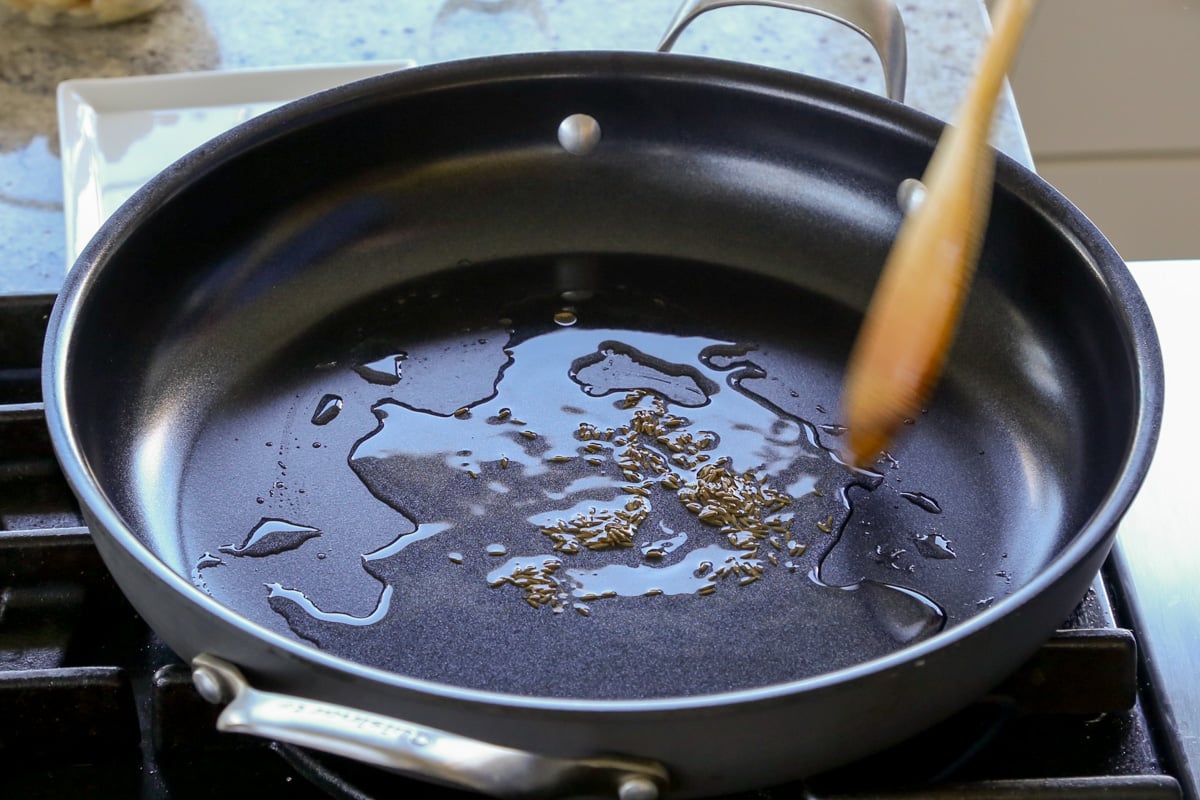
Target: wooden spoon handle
(914, 312)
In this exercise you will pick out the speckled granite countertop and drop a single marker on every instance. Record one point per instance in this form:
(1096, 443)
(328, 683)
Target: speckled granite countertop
(944, 39)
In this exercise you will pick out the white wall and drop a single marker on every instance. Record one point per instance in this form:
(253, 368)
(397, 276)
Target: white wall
(1109, 93)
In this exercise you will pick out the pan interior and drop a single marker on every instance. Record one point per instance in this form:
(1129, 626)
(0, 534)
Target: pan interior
(313, 428)
(625, 488)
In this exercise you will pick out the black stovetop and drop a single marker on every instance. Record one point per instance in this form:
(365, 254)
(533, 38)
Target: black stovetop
(92, 704)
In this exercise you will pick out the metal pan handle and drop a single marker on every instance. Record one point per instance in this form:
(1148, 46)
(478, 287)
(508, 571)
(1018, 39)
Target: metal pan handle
(427, 753)
(878, 20)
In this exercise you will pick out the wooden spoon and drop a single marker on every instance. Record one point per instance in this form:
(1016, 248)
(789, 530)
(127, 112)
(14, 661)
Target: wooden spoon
(914, 313)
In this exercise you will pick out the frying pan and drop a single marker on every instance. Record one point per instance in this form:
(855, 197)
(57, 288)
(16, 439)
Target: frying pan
(292, 383)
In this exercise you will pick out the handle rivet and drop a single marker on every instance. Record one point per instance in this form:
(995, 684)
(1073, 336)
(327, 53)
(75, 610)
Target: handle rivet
(207, 684)
(579, 134)
(910, 195)
(637, 787)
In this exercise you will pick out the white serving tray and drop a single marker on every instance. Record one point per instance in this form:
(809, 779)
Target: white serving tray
(117, 133)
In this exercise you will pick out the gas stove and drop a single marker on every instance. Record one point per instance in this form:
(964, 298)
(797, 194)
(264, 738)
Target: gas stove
(92, 704)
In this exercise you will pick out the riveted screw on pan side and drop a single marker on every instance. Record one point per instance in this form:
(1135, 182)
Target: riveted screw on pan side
(637, 787)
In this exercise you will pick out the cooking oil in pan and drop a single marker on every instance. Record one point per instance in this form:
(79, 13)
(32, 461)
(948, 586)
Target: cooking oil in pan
(635, 434)
(633, 459)
(906, 614)
(327, 409)
(278, 594)
(934, 545)
(386, 371)
(922, 501)
(271, 537)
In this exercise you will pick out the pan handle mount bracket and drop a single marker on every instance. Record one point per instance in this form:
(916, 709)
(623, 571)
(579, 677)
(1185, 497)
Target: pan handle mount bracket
(877, 20)
(426, 753)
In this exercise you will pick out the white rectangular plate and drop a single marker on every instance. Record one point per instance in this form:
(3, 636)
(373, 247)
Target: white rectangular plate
(117, 133)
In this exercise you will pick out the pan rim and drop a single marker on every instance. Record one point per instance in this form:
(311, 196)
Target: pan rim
(887, 116)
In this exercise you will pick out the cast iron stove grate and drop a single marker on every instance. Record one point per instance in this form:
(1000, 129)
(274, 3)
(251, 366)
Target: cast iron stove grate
(92, 704)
